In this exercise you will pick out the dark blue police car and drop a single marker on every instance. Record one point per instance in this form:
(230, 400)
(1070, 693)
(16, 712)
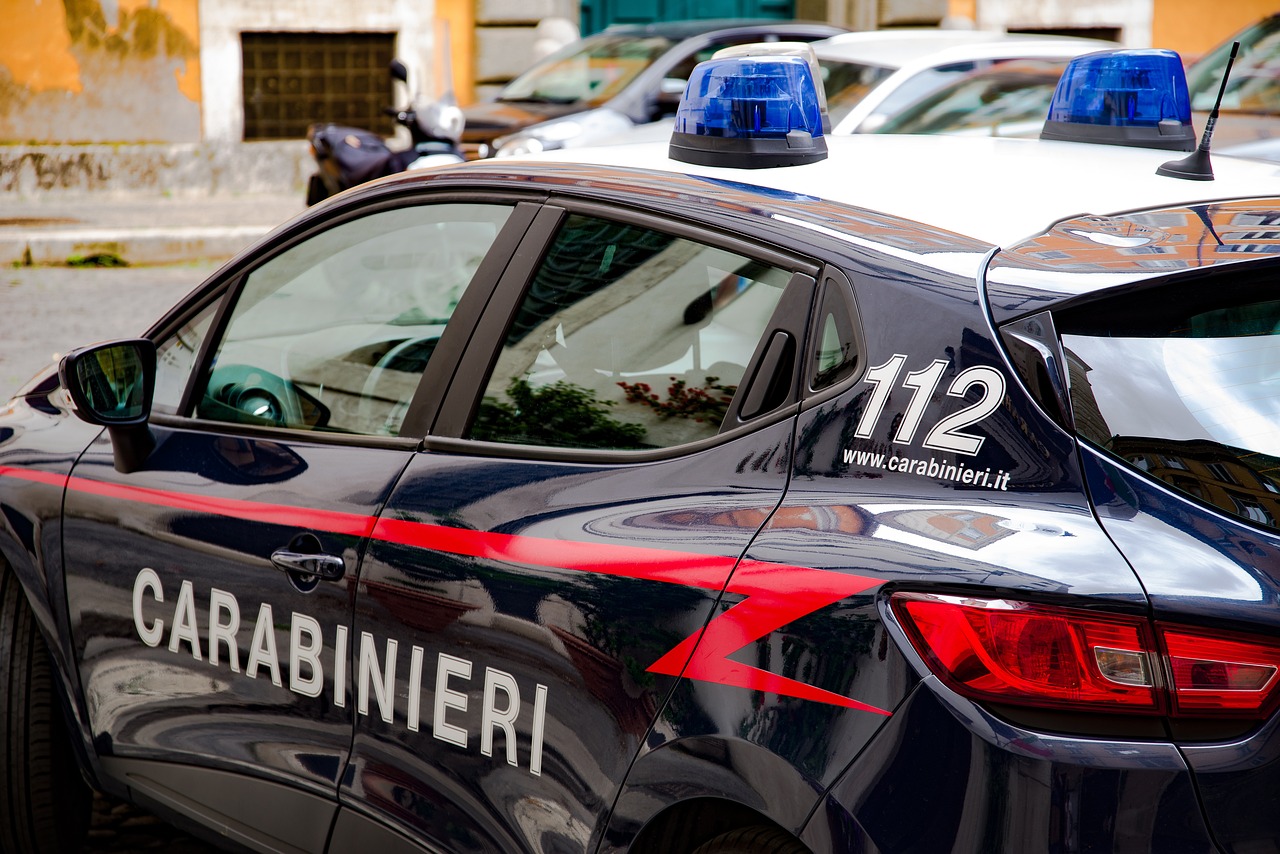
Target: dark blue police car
(787, 494)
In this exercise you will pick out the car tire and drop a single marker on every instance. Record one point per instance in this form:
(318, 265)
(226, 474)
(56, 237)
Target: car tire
(753, 840)
(45, 804)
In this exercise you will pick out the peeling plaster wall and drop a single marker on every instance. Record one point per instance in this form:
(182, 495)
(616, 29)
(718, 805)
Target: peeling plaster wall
(222, 22)
(100, 71)
(1133, 17)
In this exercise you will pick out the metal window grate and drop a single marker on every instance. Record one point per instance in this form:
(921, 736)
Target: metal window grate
(294, 79)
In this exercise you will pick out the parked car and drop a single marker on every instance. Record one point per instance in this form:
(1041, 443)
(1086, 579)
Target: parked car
(872, 77)
(1009, 98)
(607, 83)
(755, 492)
(1250, 112)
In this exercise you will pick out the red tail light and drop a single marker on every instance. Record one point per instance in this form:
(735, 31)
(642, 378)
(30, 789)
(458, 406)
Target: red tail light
(1018, 653)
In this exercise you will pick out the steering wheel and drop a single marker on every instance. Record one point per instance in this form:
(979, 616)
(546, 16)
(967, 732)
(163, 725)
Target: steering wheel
(243, 394)
(406, 358)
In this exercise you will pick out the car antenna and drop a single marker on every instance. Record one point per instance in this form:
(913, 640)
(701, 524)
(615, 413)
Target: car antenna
(1196, 165)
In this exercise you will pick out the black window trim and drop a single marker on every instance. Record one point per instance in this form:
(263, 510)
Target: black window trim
(226, 284)
(462, 400)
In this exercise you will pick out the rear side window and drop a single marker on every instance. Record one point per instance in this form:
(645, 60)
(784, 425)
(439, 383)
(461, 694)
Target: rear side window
(627, 339)
(1185, 386)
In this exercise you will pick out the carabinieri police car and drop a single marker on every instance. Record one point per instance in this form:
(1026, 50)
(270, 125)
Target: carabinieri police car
(767, 493)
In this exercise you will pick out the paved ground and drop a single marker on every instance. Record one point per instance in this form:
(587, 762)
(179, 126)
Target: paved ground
(120, 828)
(46, 310)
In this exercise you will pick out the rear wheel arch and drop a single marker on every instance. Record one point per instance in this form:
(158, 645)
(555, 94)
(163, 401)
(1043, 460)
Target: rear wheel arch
(713, 825)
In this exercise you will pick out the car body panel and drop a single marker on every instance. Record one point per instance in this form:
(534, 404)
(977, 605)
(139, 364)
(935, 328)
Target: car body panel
(546, 648)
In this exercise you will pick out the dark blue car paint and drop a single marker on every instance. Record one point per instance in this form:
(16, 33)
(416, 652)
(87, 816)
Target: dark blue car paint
(939, 773)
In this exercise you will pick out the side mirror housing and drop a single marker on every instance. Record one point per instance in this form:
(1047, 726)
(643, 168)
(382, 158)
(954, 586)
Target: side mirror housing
(111, 386)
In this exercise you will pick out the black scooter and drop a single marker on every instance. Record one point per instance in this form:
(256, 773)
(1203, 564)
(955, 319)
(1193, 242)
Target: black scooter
(347, 156)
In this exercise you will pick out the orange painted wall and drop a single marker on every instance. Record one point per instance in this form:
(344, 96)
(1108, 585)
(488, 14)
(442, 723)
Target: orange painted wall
(1192, 27)
(100, 71)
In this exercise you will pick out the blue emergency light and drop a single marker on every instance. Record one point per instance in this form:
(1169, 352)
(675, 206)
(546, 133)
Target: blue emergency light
(750, 112)
(1123, 97)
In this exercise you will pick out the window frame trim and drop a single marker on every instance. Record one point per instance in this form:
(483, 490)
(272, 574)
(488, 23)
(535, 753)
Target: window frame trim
(462, 400)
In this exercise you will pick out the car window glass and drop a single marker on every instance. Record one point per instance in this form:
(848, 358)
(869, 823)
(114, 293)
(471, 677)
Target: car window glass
(847, 83)
(1253, 86)
(627, 338)
(836, 356)
(176, 356)
(1011, 98)
(333, 334)
(914, 88)
(1191, 399)
(590, 71)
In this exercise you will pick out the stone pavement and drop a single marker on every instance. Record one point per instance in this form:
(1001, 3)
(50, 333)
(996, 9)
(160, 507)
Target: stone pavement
(136, 228)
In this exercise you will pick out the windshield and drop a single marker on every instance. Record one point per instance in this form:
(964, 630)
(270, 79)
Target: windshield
(1011, 99)
(1254, 86)
(589, 72)
(847, 83)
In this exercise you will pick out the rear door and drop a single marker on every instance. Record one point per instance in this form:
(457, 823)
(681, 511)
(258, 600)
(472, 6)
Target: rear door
(618, 430)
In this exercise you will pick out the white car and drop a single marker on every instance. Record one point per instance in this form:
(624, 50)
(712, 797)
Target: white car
(870, 77)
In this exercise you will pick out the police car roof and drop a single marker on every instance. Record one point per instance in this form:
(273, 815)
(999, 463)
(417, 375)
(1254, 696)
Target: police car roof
(999, 191)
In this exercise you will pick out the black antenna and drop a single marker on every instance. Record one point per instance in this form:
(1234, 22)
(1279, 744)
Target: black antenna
(1196, 166)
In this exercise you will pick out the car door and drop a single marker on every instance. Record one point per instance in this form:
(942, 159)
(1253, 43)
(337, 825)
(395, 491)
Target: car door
(210, 584)
(616, 434)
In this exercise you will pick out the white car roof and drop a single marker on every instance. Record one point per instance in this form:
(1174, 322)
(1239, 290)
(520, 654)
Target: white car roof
(1000, 191)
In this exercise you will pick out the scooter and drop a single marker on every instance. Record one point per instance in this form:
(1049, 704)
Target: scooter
(347, 156)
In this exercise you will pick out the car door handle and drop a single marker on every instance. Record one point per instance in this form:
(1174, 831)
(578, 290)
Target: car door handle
(324, 566)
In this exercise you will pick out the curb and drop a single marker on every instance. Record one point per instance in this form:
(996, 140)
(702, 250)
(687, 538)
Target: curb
(134, 246)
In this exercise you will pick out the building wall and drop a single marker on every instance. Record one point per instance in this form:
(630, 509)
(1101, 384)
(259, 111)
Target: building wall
(1132, 18)
(100, 71)
(222, 22)
(1192, 27)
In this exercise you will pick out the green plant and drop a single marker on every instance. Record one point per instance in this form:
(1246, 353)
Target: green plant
(560, 414)
(683, 400)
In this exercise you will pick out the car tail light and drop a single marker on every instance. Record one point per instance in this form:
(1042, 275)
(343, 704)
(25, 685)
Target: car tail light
(1020, 653)
(1220, 674)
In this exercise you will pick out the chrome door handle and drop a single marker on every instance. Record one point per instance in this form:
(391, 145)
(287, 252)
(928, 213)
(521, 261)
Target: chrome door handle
(327, 567)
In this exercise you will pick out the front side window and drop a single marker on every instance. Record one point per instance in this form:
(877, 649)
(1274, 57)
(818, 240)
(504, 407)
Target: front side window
(334, 333)
(1189, 382)
(627, 339)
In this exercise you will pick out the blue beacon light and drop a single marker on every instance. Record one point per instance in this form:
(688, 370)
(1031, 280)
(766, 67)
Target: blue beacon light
(750, 112)
(1123, 97)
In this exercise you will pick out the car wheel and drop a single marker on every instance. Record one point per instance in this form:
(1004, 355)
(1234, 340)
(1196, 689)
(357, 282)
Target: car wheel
(44, 801)
(753, 840)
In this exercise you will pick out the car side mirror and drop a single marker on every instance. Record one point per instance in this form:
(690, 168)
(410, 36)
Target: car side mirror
(111, 386)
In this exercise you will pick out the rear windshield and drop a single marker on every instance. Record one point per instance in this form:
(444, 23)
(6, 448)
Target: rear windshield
(1185, 386)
